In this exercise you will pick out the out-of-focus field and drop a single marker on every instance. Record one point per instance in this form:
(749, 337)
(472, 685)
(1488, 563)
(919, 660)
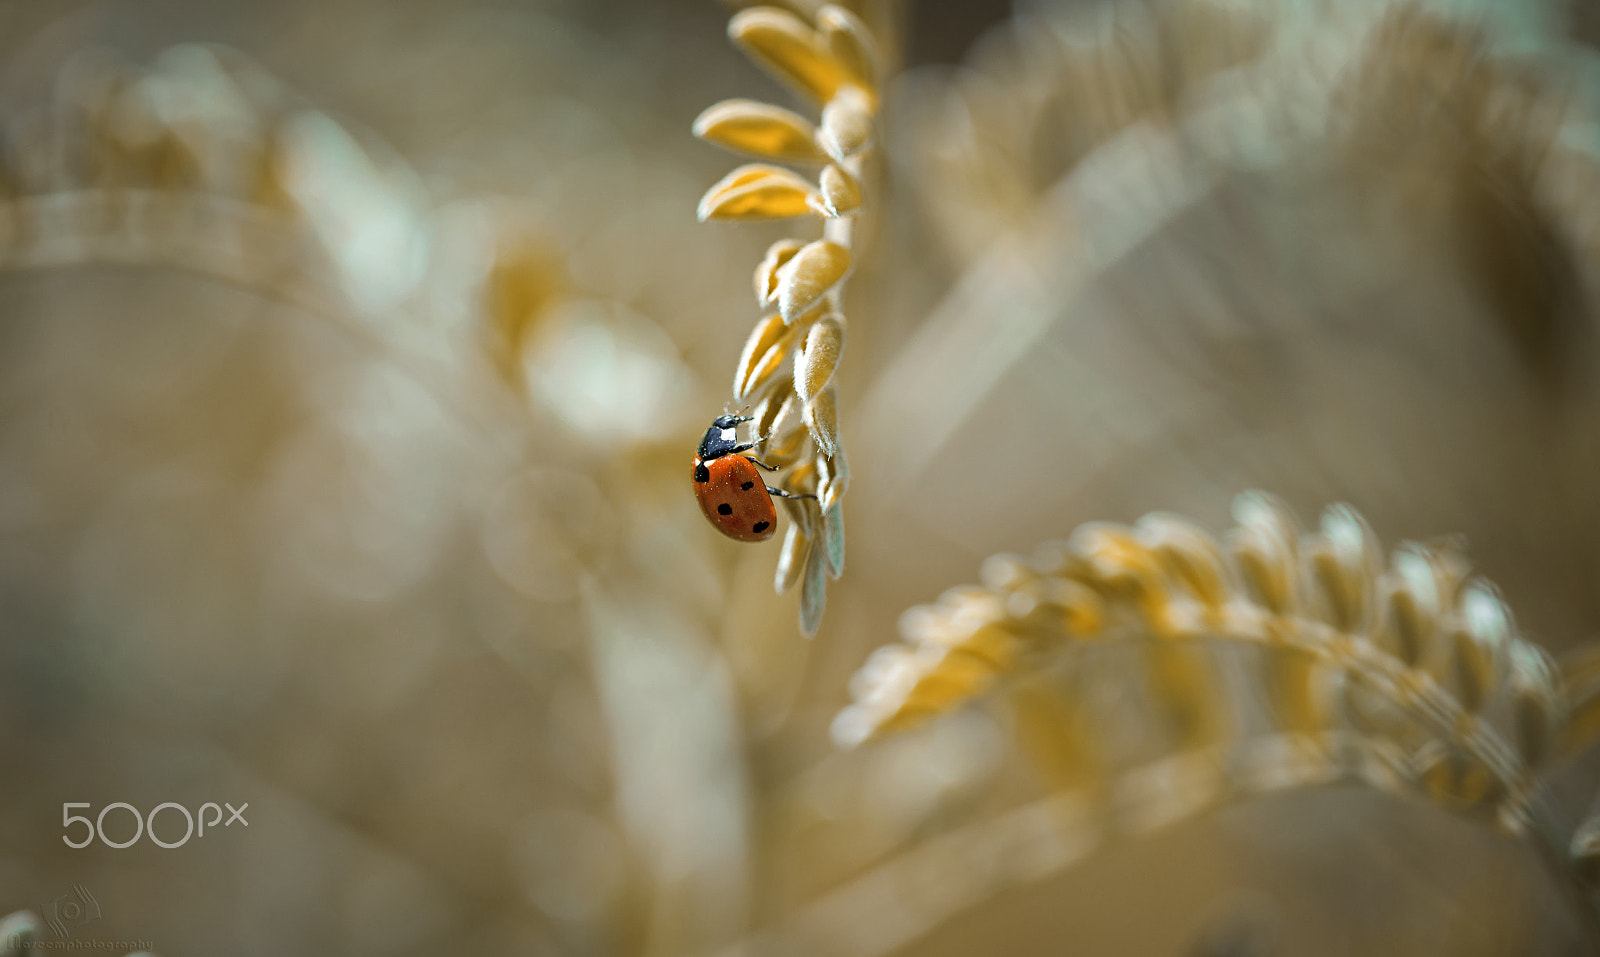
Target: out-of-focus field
(352, 355)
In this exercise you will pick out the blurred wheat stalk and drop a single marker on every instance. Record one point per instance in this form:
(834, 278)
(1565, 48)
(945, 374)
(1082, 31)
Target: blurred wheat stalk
(1406, 674)
(1413, 653)
(204, 162)
(787, 368)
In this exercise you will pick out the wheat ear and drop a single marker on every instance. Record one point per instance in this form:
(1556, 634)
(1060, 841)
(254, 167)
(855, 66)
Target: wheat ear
(791, 357)
(1404, 672)
(1417, 633)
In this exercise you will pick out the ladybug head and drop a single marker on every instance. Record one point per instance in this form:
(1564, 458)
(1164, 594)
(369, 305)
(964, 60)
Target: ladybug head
(721, 439)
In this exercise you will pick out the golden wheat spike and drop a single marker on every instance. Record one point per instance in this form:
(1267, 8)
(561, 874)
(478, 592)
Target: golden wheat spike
(828, 55)
(1171, 587)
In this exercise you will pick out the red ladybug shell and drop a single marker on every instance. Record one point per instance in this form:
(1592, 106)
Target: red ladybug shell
(734, 497)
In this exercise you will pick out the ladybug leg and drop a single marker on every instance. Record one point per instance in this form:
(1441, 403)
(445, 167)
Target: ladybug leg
(755, 461)
(781, 493)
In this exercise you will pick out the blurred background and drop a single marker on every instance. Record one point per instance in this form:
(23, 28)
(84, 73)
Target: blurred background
(352, 355)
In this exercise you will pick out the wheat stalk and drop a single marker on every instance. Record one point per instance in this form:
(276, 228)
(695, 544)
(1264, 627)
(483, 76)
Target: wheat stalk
(790, 359)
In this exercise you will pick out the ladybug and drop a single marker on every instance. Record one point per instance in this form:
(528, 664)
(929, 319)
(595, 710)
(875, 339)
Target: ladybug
(732, 493)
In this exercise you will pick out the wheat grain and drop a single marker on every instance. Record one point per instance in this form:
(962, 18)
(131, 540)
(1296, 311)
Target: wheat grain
(840, 193)
(758, 191)
(1536, 705)
(766, 278)
(762, 340)
(760, 129)
(790, 49)
(792, 558)
(827, 55)
(809, 275)
(846, 126)
(816, 361)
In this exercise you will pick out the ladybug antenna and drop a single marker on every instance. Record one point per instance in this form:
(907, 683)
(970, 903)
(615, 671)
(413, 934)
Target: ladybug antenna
(728, 420)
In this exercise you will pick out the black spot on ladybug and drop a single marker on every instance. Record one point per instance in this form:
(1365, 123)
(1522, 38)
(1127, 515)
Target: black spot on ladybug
(748, 486)
(759, 527)
(702, 474)
(724, 509)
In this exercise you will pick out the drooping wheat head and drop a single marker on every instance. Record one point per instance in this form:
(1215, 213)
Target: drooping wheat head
(1407, 673)
(786, 371)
